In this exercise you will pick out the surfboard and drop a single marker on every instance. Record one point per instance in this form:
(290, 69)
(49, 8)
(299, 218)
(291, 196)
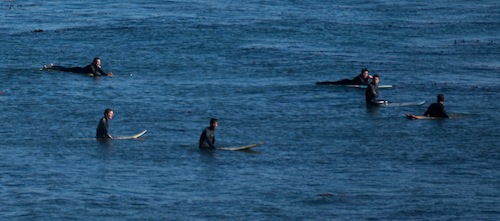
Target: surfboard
(402, 104)
(418, 117)
(364, 86)
(247, 147)
(118, 137)
(130, 137)
(88, 74)
(351, 85)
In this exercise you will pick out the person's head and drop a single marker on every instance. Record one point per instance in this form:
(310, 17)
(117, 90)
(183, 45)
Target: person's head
(97, 61)
(108, 113)
(214, 123)
(364, 72)
(440, 98)
(376, 78)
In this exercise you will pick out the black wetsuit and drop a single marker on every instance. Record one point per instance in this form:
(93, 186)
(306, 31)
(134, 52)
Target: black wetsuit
(89, 69)
(436, 110)
(102, 129)
(358, 80)
(207, 138)
(372, 94)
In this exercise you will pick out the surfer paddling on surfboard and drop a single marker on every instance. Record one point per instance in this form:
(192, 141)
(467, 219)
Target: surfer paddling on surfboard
(435, 110)
(93, 69)
(362, 79)
(103, 126)
(207, 138)
(372, 93)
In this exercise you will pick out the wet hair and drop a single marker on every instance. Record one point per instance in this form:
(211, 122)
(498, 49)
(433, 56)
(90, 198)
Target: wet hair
(363, 70)
(213, 121)
(440, 97)
(95, 60)
(106, 112)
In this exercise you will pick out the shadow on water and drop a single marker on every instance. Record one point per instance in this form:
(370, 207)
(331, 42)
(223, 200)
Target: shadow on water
(373, 111)
(105, 148)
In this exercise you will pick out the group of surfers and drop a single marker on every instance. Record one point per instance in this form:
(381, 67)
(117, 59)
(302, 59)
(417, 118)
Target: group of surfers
(435, 110)
(206, 141)
(207, 137)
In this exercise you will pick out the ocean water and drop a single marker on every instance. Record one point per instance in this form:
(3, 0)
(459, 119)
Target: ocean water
(253, 65)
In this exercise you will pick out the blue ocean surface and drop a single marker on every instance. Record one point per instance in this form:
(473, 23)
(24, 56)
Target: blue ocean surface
(253, 65)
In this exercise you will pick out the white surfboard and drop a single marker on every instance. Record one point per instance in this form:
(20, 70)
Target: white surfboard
(419, 117)
(402, 104)
(364, 86)
(117, 137)
(130, 137)
(247, 147)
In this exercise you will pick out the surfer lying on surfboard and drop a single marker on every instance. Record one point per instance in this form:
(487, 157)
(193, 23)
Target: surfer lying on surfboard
(361, 79)
(93, 69)
(435, 110)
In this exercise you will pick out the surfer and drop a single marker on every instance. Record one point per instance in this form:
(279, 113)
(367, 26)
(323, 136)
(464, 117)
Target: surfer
(437, 109)
(103, 126)
(94, 68)
(372, 92)
(362, 79)
(207, 138)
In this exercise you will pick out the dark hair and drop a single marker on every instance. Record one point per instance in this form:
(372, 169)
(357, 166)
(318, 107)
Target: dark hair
(106, 112)
(363, 70)
(440, 97)
(213, 121)
(376, 76)
(95, 60)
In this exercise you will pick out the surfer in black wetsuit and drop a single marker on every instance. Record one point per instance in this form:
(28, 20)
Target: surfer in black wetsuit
(372, 94)
(437, 109)
(94, 68)
(361, 79)
(207, 138)
(103, 126)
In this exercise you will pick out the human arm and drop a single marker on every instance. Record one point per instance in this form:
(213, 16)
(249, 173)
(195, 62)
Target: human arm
(210, 138)
(91, 69)
(101, 71)
(207, 139)
(443, 113)
(102, 131)
(426, 113)
(361, 80)
(108, 135)
(373, 90)
(98, 71)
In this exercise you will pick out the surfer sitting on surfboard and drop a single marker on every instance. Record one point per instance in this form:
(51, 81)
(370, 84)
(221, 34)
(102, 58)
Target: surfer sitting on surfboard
(437, 109)
(372, 93)
(361, 79)
(103, 126)
(207, 138)
(94, 68)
